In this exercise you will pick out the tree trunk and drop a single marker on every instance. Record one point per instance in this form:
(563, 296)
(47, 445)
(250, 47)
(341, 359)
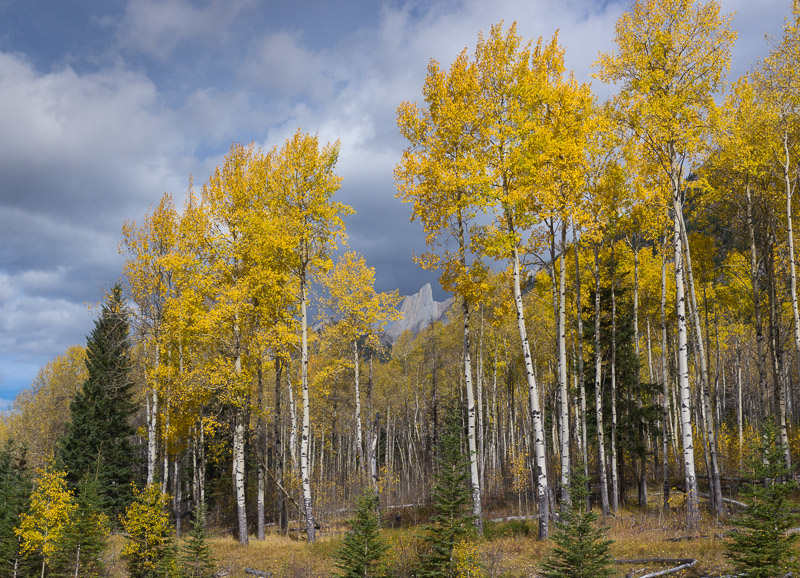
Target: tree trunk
(305, 474)
(261, 450)
(598, 388)
(359, 434)
(475, 481)
(761, 359)
(664, 378)
(705, 398)
(581, 377)
(239, 429)
(152, 432)
(614, 468)
(692, 506)
(562, 370)
(277, 452)
(535, 408)
(642, 481)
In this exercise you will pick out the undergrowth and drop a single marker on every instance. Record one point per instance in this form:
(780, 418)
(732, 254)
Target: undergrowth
(508, 550)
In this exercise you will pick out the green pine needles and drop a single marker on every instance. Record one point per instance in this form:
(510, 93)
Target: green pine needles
(197, 561)
(581, 550)
(98, 436)
(760, 547)
(452, 501)
(363, 550)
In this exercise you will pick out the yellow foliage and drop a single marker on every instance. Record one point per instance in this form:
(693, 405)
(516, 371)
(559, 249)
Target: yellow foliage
(467, 560)
(42, 527)
(147, 522)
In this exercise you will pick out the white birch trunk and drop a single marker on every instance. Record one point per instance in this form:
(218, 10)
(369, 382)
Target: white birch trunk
(359, 430)
(614, 468)
(793, 287)
(535, 408)
(692, 509)
(598, 389)
(666, 420)
(475, 481)
(562, 371)
(711, 434)
(581, 379)
(305, 474)
(292, 425)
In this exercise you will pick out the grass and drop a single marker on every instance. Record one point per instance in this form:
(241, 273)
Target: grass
(510, 549)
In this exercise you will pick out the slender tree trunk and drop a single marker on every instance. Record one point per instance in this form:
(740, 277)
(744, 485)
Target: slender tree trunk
(692, 506)
(359, 442)
(642, 481)
(535, 408)
(562, 370)
(293, 425)
(277, 452)
(705, 398)
(151, 400)
(614, 467)
(479, 392)
(779, 399)
(664, 378)
(261, 451)
(598, 388)
(177, 498)
(581, 377)
(471, 414)
(761, 359)
(739, 412)
(305, 474)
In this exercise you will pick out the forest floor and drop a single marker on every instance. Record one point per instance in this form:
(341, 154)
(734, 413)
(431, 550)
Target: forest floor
(509, 549)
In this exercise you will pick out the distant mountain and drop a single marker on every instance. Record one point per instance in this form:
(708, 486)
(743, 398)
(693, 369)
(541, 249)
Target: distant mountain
(418, 310)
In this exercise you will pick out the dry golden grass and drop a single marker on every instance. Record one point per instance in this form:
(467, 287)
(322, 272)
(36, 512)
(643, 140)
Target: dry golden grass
(636, 534)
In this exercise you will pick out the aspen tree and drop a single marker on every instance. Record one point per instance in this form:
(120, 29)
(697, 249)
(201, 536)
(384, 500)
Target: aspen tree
(779, 83)
(360, 314)
(147, 249)
(239, 248)
(532, 135)
(301, 184)
(671, 58)
(440, 173)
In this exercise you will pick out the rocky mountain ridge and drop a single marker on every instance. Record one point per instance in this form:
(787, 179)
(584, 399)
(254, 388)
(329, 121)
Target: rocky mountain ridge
(419, 310)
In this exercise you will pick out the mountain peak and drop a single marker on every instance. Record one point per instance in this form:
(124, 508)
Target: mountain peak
(419, 310)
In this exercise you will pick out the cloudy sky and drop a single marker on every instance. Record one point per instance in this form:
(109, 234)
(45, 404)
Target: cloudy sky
(107, 104)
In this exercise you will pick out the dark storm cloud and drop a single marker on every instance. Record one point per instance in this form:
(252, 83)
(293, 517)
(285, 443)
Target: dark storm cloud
(104, 105)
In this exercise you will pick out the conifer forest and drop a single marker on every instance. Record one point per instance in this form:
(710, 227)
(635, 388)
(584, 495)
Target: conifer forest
(614, 387)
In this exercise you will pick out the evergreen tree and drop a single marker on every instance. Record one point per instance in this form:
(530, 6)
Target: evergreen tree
(98, 435)
(362, 552)
(760, 547)
(452, 503)
(15, 491)
(197, 560)
(85, 538)
(581, 550)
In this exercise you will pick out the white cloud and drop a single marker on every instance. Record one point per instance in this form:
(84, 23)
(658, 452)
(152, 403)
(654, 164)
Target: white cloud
(157, 27)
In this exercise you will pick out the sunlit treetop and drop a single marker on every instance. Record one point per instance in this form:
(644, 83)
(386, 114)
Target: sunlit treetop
(671, 59)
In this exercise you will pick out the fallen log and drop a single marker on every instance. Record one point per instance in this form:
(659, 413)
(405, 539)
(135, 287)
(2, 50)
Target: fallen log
(260, 573)
(683, 564)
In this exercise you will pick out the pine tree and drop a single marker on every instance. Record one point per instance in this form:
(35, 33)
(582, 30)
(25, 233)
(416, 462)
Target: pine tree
(363, 550)
(98, 434)
(760, 547)
(581, 551)
(15, 491)
(85, 538)
(197, 560)
(452, 521)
